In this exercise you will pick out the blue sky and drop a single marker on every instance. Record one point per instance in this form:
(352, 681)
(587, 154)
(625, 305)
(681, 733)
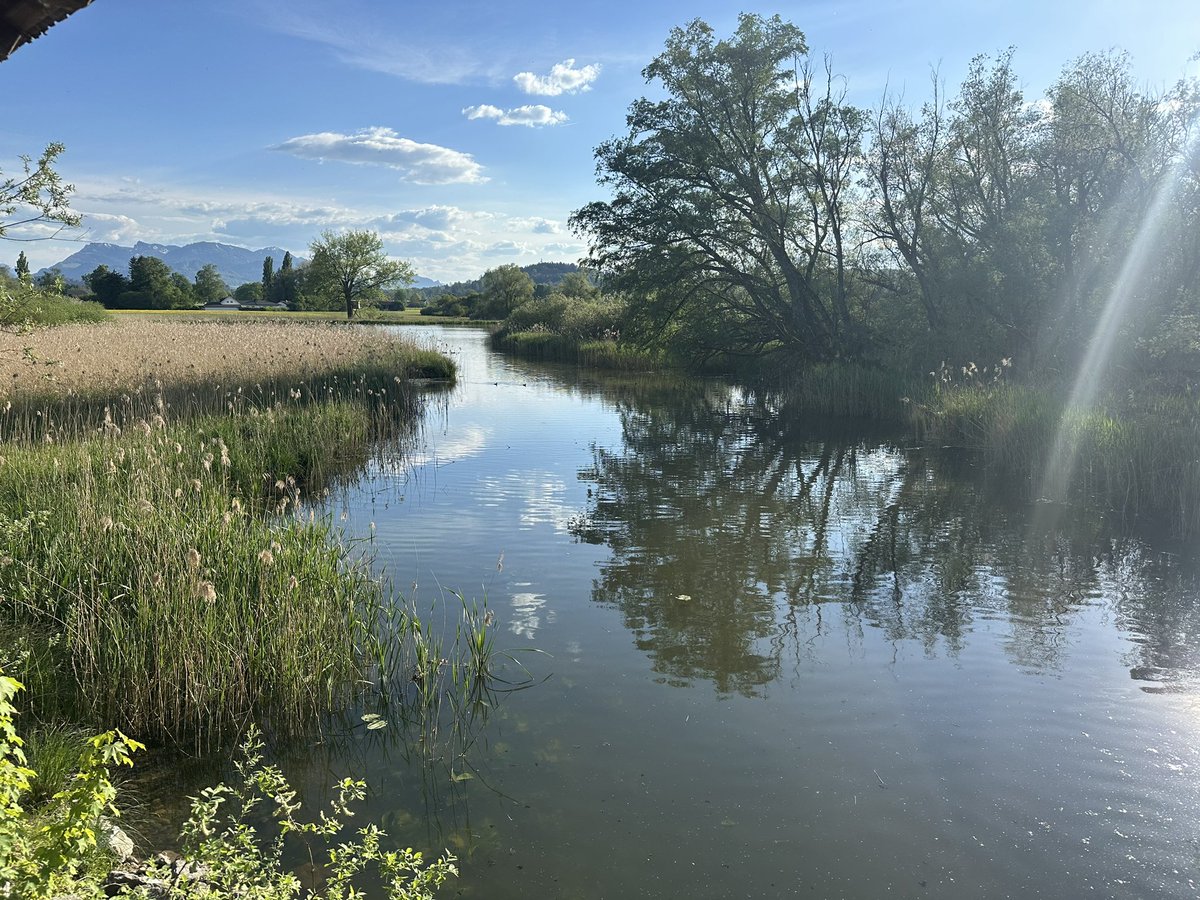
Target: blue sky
(461, 131)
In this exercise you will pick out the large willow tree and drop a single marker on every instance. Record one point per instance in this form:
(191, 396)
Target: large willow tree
(728, 222)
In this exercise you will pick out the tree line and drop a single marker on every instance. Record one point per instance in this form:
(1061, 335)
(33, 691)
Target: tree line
(754, 210)
(348, 270)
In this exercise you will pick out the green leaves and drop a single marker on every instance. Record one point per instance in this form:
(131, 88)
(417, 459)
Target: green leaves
(37, 194)
(728, 224)
(44, 851)
(352, 265)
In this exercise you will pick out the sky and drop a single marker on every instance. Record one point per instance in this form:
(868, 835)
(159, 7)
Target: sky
(462, 132)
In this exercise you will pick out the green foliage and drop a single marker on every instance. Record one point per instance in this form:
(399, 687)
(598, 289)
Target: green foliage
(286, 284)
(22, 267)
(352, 266)
(249, 294)
(267, 284)
(221, 838)
(106, 285)
(38, 194)
(44, 851)
(56, 849)
(591, 317)
(152, 285)
(731, 195)
(23, 306)
(504, 289)
(210, 286)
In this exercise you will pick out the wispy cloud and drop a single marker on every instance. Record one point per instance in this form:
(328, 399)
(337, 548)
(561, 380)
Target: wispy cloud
(564, 78)
(362, 37)
(434, 218)
(536, 224)
(535, 116)
(508, 248)
(378, 146)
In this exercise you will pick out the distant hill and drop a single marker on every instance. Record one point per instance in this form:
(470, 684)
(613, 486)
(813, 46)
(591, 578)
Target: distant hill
(542, 273)
(237, 265)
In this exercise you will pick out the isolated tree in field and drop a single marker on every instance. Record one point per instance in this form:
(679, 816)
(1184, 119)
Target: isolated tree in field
(729, 214)
(22, 267)
(36, 195)
(210, 286)
(352, 266)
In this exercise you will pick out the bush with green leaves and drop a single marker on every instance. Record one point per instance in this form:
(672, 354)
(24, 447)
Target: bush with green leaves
(58, 848)
(225, 851)
(55, 848)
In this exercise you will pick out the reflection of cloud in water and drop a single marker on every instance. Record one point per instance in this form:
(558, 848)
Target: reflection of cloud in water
(528, 610)
(541, 495)
(471, 441)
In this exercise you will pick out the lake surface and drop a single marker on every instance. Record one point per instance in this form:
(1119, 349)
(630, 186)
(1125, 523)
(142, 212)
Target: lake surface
(776, 658)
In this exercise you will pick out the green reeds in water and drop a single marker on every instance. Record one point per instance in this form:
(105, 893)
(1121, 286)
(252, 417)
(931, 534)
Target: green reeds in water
(545, 346)
(170, 583)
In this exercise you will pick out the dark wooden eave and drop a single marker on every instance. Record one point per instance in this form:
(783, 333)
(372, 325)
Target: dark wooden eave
(23, 20)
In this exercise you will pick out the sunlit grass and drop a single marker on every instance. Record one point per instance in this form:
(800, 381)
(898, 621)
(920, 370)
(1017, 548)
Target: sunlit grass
(544, 346)
(98, 376)
(163, 566)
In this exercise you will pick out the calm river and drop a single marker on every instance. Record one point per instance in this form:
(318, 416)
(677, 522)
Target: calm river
(776, 660)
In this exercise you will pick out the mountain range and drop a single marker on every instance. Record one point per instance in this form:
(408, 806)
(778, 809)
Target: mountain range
(237, 265)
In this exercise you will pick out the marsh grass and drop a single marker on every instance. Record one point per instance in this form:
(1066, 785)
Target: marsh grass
(604, 353)
(163, 568)
(1134, 454)
(89, 376)
(177, 590)
(854, 392)
(442, 676)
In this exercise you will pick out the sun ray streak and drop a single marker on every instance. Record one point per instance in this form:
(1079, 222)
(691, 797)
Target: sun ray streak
(1063, 459)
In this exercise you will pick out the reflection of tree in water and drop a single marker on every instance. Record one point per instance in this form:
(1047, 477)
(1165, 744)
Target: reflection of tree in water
(717, 499)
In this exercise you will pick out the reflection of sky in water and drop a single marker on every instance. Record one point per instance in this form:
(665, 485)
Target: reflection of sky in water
(468, 441)
(528, 611)
(856, 613)
(541, 496)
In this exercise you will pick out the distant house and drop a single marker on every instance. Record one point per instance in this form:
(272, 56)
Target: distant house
(224, 303)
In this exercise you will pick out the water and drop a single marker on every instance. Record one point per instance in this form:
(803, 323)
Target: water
(777, 660)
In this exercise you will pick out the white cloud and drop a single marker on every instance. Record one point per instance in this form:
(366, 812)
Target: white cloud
(437, 218)
(508, 248)
(535, 116)
(107, 228)
(564, 78)
(566, 249)
(378, 146)
(536, 224)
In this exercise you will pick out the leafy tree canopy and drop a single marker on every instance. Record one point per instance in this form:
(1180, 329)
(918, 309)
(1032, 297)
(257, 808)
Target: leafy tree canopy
(352, 266)
(729, 208)
(210, 286)
(36, 195)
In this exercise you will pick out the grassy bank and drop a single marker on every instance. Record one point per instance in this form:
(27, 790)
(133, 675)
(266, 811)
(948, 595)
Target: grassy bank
(544, 346)
(1134, 455)
(367, 315)
(160, 568)
(66, 381)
